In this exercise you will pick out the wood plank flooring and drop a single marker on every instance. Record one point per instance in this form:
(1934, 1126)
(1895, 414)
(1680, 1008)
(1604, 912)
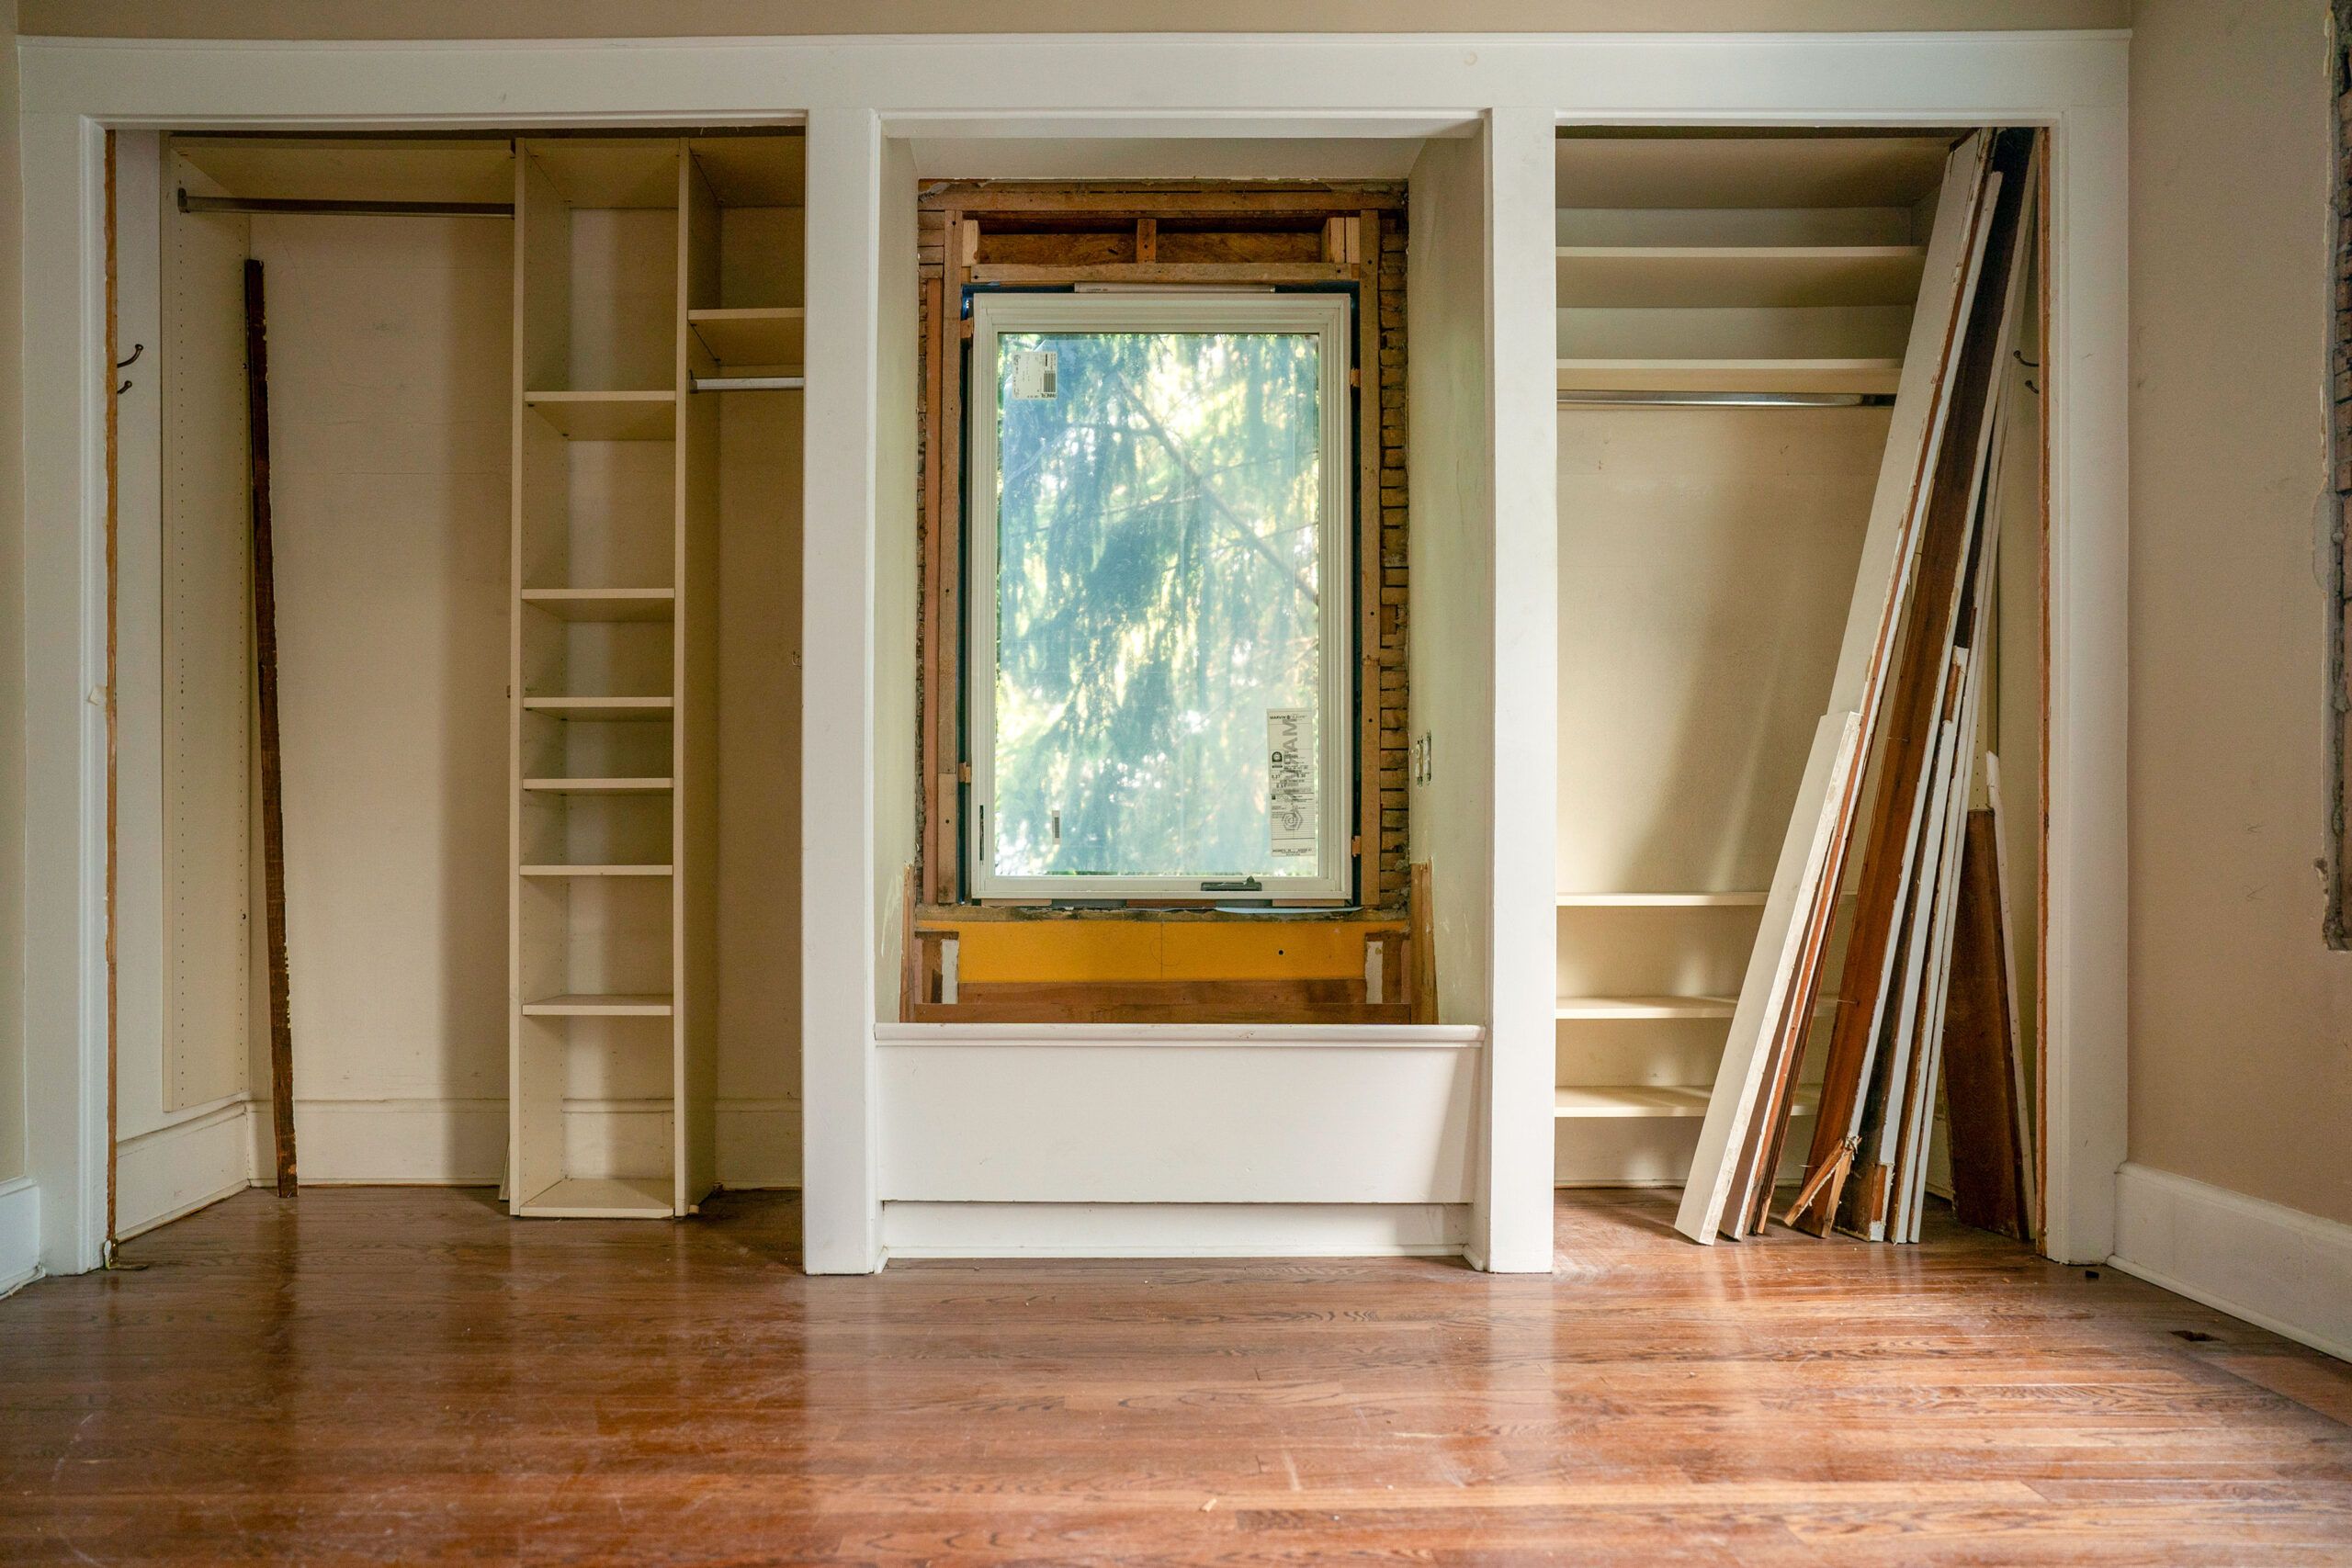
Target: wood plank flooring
(407, 1375)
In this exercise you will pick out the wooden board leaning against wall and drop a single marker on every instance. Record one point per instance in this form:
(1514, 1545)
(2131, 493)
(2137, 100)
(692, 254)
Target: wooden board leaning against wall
(1173, 960)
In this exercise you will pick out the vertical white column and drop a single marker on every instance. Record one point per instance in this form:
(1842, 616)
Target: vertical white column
(1514, 1223)
(2086, 957)
(840, 1212)
(64, 623)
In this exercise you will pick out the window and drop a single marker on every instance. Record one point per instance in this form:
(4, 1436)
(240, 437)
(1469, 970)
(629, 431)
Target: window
(1160, 595)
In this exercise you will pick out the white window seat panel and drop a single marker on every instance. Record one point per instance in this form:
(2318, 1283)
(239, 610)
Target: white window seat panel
(1178, 1113)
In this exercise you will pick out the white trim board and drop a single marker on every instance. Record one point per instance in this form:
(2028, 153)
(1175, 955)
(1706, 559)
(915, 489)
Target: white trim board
(183, 1167)
(2274, 1266)
(852, 93)
(462, 1142)
(1174, 1230)
(20, 1233)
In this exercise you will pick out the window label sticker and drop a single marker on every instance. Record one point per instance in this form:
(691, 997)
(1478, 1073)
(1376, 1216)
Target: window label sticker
(1033, 373)
(1291, 813)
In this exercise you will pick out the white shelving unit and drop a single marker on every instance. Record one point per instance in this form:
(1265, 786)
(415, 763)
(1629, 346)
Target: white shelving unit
(640, 264)
(1740, 264)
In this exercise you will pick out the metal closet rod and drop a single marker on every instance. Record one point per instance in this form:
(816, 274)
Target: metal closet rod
(1723, 400)
(345, 208)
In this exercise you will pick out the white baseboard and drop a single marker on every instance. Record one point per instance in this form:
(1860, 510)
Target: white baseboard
(20, 1234)
(181, 1167)
(1173, 1230)
(2274, 1266)
(455, 1142)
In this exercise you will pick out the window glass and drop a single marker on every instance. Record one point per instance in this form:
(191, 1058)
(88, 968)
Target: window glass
(1161, 564)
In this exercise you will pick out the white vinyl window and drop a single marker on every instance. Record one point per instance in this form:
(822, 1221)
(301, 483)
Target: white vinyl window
(1160, 587)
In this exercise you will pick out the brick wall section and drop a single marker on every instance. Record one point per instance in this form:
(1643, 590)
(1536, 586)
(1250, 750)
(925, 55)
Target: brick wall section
(1387, 874)
(1395, 580)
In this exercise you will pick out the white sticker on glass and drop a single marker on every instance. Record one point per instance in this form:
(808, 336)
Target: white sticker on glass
(1033, 373)
(1290, 782)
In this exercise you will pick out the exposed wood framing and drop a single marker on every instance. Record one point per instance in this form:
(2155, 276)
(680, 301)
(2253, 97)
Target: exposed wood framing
(1167, 233)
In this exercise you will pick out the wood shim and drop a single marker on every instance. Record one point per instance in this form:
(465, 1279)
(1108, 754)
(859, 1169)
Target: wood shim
(1769, 1023)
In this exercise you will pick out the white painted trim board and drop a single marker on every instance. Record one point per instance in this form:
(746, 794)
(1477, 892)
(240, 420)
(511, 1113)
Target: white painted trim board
(1173, 1230)
(2274, 1266)
(20, 1233)
(182, 1167)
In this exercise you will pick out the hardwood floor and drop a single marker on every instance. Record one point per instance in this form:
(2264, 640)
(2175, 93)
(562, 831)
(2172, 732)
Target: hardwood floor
(406, 1375)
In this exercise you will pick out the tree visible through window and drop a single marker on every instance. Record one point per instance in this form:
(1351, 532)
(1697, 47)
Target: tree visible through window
(1160, 592)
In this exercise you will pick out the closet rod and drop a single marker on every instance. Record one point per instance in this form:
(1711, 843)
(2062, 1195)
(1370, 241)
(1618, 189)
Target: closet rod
(346, 208)
(749, 383)
(1723, 400)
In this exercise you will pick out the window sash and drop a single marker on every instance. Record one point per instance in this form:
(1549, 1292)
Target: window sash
(1323, 314)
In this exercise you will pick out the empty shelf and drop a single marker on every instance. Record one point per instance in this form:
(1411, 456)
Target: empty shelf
(1659, 900)
(1702, 277)
(1869, 376)
(604, 603)
(599, 786)
(609, 416)
(1642, 1006)
(649, 1004)
(602, 1198)
(766, 334)
(1602, 1101)
(596, 871)
(605, 708)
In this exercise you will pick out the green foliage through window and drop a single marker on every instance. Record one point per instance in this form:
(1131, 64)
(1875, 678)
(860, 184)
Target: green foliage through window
(1160, 548)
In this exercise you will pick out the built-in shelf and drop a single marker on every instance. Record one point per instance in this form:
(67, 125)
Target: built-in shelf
(602, 1198)
(1867, 377)
(1636, 1007)
(759, 335)
(598, 786)
(617, 1005)
(596, 871)
(608, 416)
(1660, 900)
(1704, 276)
(1642, 1100)
(604, 603)
(603, 708)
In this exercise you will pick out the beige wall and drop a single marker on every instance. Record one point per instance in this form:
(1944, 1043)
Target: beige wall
(12, 622)
(638, 18)
(2241, 1064)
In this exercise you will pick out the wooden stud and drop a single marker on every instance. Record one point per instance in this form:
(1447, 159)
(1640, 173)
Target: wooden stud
(1147, 240)
(1369, 589)
(273, 817)
(938, 699)
(1422, 914)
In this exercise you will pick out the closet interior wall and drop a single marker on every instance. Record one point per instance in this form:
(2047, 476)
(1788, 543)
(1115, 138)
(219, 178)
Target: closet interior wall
(1707, 556)
(395, 423)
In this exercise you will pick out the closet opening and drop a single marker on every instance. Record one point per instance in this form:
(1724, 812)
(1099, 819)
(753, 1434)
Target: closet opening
(1752, 366)
(533, 419)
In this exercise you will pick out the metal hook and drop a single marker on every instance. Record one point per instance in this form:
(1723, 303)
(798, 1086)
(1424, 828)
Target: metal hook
(2019, 354)
(136, 350)
(124, 388)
